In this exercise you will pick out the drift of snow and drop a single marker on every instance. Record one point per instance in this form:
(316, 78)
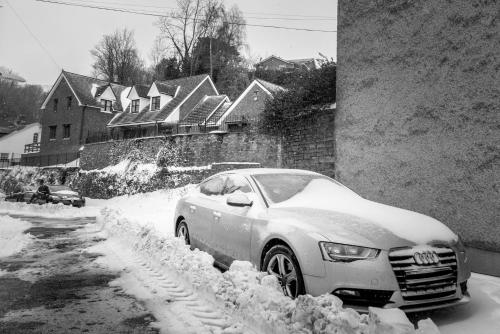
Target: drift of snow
(326, 195)
(12, 236)
(47, 210)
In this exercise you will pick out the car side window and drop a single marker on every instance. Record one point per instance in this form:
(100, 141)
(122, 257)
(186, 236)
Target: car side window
(212, 187)
(236, 183)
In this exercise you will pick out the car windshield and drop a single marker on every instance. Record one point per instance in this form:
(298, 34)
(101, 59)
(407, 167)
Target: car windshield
(302, 190)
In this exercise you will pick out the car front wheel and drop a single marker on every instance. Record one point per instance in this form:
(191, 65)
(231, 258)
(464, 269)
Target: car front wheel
(282, 263)
(183, 232)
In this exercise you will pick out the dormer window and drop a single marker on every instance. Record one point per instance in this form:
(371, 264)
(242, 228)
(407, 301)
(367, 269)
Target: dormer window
(135, 106)
(155, 103)
(107, 105)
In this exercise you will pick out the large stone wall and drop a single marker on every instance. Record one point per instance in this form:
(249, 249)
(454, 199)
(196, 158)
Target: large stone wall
(191, 150)
(309, 144)
(418, 119)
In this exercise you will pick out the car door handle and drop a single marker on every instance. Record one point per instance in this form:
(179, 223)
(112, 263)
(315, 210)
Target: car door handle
(217, 214)
(192, 208)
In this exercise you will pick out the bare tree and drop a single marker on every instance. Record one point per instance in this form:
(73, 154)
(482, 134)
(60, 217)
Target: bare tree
(184, 26)
(117, 59)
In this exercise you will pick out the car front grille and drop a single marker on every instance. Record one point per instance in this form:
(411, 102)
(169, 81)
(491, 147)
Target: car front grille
(420, 282)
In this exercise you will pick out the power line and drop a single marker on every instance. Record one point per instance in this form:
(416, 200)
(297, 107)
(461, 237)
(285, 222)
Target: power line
(33, 35)
(300, 16)
(275, 16)
(129, 11)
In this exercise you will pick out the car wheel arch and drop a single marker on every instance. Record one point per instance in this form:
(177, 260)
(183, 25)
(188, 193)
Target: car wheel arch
(178, 221)
(270, 244)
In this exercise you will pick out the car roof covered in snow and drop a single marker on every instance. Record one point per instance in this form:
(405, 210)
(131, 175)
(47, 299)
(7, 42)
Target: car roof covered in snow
(260, 171)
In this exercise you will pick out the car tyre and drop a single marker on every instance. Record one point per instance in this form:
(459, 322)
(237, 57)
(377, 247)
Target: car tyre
(280, 261)
(183, 232)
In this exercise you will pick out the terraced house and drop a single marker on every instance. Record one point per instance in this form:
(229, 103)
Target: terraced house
(81, 109)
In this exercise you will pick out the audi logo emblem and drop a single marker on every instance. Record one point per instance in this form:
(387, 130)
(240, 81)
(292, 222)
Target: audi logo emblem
(426, 257)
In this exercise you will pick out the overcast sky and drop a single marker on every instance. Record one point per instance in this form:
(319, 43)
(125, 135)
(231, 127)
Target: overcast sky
(68, 33)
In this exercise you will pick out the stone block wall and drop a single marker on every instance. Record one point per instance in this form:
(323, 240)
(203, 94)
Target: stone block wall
(310, 143)
(418, 109)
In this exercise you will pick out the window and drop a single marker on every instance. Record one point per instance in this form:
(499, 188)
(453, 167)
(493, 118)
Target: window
(4, 156)
(66, 130)
(52, 132)
(56, 101)
(236, 183)
(69, 100)
(135, 106)
(212, 187)
(255, 95)
(35, 137)
(107, 105)
(155, 103)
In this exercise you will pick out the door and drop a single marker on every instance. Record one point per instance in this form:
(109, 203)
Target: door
(201, 208)
(233, 224)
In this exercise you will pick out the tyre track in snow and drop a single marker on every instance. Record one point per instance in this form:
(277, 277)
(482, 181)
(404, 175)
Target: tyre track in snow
(171, 299)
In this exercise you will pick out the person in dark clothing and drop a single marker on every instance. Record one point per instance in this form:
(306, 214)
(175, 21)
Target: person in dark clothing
(42, 192)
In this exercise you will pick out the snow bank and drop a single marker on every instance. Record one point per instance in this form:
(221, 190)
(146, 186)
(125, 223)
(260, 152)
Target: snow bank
(46, 210)
(145, 224)
(12, 237)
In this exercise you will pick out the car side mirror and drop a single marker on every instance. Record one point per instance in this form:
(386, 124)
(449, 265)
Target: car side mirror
(239, 200)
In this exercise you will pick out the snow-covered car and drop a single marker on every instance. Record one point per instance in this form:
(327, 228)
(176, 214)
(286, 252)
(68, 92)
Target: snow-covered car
(58, 194)
(317, 236)
(22, 194)
(66, 196)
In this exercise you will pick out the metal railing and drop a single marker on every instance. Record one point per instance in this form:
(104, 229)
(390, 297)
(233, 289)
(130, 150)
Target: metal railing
(9, 159)
(230, 124)
(32, 148)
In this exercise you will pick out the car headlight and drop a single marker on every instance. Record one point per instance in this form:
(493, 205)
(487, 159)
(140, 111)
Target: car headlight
(339, 252)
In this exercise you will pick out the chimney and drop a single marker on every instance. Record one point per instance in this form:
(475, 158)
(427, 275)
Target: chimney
(115, 78)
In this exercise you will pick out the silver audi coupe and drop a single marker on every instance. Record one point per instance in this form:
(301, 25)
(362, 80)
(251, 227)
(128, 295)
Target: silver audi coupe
(317, 236)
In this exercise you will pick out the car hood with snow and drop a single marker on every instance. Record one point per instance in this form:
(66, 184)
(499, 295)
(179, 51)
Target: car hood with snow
(348, 218)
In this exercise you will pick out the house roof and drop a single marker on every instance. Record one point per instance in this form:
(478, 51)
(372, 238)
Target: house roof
(186, 86)
(270, 88)
(166, 87)
(270, 57)
(9, 75)
(142, 90)
(214, 118)
(310, 63)
(81, 86)
(207, 106)
(100, 90)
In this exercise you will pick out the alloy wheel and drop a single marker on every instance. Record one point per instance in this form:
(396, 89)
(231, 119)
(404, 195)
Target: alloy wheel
(282, 267)
(183, 233)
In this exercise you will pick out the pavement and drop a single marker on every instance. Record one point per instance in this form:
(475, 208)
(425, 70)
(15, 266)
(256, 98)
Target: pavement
(55, 286)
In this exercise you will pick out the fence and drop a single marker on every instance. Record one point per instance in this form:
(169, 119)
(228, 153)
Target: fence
(67, 159)
(230, 124)
(9, 159)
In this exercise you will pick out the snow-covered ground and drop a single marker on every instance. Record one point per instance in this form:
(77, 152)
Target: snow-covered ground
(12, 238)
(139, 231)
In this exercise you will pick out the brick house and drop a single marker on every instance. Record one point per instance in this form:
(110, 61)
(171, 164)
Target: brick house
(166, 105)
(275, 63)
(75, 106)
(250, 104)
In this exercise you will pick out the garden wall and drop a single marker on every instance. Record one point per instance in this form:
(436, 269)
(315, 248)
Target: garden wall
(418, 119)
(309, 144)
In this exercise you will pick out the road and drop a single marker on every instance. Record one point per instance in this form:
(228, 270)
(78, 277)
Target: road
(55, 286)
